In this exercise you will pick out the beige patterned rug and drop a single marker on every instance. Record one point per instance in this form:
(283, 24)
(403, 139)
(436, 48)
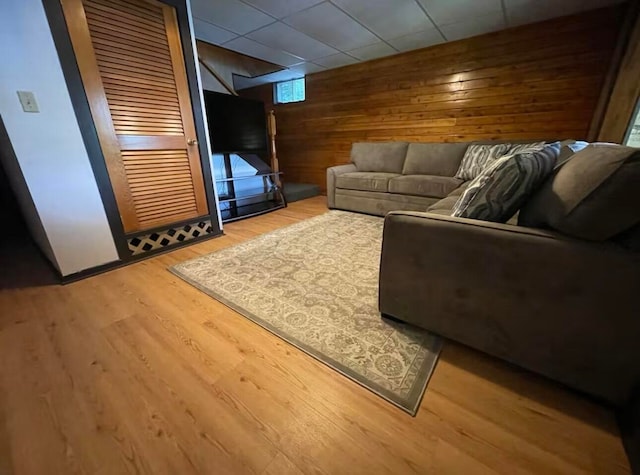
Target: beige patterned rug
(315, 285)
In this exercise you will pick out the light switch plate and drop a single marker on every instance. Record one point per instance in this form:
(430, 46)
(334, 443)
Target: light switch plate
(28, 101)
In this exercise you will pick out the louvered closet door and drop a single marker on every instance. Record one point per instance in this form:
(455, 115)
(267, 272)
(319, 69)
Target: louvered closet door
(130, 58)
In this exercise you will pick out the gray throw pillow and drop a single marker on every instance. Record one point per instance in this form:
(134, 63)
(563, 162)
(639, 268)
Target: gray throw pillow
(478, 157)
(502, 188)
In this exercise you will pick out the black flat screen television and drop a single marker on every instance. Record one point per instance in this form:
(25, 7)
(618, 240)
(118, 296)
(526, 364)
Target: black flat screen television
(236, 124)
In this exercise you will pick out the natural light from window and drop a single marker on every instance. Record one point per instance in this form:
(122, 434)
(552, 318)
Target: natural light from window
(633, 134)
(289, 91)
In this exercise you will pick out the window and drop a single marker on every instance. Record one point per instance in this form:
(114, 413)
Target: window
(633, 134)
(289, 91)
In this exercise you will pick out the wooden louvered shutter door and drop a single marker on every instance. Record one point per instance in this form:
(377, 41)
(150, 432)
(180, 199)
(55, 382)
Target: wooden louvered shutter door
(131, 62)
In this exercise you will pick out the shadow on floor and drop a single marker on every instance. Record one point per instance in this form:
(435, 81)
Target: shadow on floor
(532, 386)
(22, 265)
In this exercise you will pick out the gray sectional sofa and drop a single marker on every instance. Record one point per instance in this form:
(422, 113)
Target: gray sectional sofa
(391, 176)
(556, 294)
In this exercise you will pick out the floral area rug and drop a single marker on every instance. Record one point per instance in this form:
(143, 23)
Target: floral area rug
(315, 285)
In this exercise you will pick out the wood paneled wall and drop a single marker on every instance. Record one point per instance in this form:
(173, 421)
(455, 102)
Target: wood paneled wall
(539, 81)
(626, 91)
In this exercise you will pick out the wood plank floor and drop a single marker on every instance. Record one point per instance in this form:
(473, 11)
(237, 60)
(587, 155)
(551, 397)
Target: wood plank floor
(135, 371)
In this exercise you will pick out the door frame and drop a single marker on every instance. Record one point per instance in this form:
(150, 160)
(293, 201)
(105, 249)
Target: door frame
(66, 54)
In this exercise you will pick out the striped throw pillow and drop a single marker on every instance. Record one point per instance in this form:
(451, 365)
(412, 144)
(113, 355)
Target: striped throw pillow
(478, 157)
(502, 188)
(521, 147)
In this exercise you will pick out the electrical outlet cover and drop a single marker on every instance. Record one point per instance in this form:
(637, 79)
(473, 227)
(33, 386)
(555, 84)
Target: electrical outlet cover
(28, 101)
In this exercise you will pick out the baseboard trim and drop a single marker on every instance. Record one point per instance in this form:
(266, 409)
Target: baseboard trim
(101, 269)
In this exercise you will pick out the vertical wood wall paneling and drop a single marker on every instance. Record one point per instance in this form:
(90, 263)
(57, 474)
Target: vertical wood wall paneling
(626, 91)
(134, 48)
(539, 81)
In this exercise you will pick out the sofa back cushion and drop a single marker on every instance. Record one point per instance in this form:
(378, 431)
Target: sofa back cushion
(594, 195)
(439, 159)
(385, 157)
(569, 148)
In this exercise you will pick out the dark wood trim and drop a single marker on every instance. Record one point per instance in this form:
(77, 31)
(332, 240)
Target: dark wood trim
(626, 89)
(610, 78)
(62, 41)
(614, 68)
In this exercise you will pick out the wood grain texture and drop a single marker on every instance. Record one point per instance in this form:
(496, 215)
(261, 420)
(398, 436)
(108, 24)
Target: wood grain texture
(186, 110)
(137, 85)
(539, 81)
(626, 91)
(135, 371)
(87, 64)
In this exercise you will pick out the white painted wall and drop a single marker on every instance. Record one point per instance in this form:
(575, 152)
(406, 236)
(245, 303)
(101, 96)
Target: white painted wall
(23, 197)
(48, 145)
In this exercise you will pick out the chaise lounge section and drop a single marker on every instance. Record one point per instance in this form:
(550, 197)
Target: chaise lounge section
(556, 294)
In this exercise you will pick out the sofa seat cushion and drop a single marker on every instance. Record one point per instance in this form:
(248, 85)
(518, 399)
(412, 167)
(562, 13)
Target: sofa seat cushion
(365, 181)
(593, 196)
(444, 206)
(387, 157)
(442, 159)
(458, 191)
(424, 185)
(379, 204)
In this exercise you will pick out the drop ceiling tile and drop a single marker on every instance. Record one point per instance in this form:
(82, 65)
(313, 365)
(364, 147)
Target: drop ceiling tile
(335, 60)
(473, 27)
(445, 12)
(282, 8)
(231, 15)
(210, 33)
(387, 18)
(307, 68)
(327, 23)
(283, 37)
(257, 50)
(421, 39)
(377, 50)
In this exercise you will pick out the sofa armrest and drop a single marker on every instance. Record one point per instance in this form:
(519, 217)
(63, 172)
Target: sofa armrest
(559, 306)
(332, 174)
